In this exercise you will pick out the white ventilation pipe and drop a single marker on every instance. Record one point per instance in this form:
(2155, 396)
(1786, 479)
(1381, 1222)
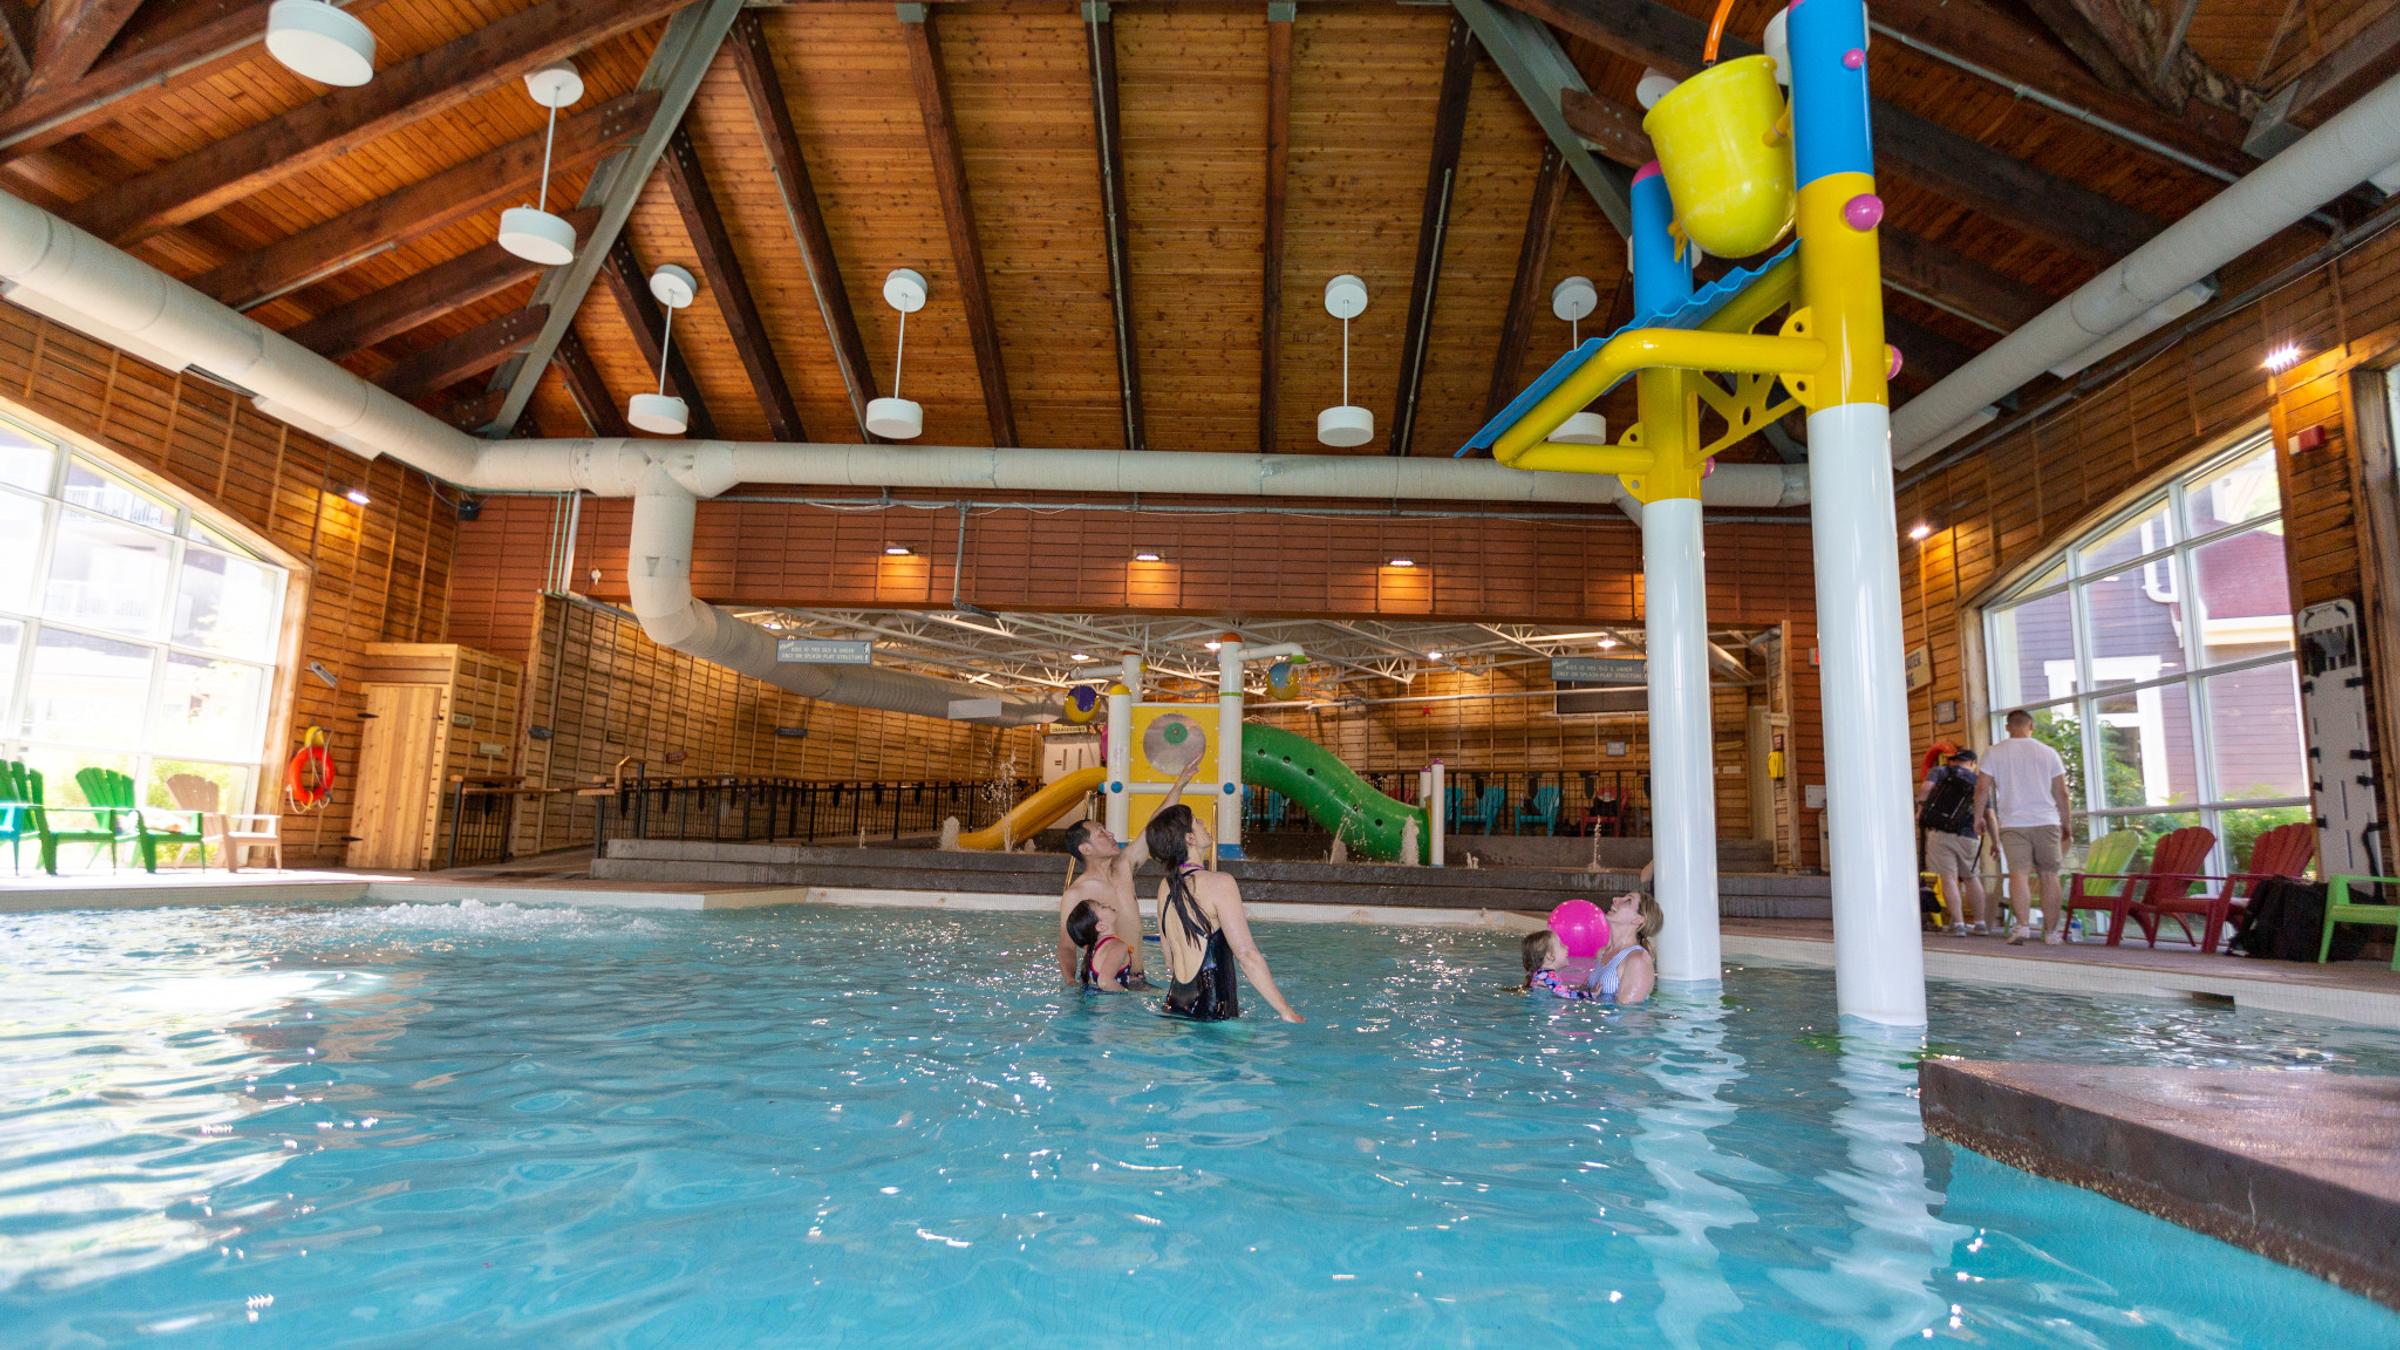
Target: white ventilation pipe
(2317, 168)
(658, 585)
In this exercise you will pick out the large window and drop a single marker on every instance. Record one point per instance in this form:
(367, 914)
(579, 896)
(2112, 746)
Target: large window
(2155, 654)
(132, 635)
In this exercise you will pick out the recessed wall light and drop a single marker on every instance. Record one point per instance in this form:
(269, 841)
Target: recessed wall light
(1146, 556)
(2283, 358)
(1919, 530)
(898, 551)
(1404, 562)
(357, 495)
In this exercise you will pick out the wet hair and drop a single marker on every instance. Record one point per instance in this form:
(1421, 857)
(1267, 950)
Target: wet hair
(1536, 946)
(1083, 924)
(1079, 834)
(1168, 836)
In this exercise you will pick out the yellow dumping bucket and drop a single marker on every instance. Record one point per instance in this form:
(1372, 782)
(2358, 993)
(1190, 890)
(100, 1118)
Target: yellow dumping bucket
(1727, 159)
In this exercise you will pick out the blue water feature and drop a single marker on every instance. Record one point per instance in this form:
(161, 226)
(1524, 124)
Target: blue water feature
(485, 1124)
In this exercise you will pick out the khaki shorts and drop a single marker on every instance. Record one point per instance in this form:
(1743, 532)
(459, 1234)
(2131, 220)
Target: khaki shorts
(1950, 856)
(2034, 850)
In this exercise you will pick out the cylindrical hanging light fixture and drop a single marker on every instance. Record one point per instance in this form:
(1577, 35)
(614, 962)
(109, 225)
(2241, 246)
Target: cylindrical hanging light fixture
(532, 232)
(1574, 300)
(896, 418)
(1348, 424)
(661, 412)
(317, 42)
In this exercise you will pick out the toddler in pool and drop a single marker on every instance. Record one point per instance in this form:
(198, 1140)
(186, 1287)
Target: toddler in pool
(1547, 969)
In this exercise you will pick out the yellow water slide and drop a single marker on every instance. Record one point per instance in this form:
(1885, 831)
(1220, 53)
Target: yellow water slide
(1036, 813)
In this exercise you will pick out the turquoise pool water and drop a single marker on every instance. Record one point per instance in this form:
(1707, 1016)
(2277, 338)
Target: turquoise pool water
(483, 1124)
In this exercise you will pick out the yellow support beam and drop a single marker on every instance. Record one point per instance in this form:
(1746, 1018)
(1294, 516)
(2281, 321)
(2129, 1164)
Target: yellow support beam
(1646, 349)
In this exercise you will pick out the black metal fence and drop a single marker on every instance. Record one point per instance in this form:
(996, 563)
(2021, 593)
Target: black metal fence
(733, 810)
(1576, 802)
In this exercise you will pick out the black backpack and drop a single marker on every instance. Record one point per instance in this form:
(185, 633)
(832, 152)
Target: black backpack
(1950, 806)
(2285, 920)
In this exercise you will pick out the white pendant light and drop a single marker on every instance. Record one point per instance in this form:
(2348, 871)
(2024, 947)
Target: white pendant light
(1654, 85)
(1574, 300)
(895, 418)
(1347, 425)
(661, 412)
(531, 232)
(317, 42)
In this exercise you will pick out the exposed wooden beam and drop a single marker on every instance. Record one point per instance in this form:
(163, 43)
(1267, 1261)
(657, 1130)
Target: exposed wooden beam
(396, 309)
(1101, 39)
(471, 353)
(1534, 63)
(320, 131)
(958, 212)
(2335, 80)
(677, 65)
(721, 267)
(1433, 225)
(473, 412)
(1928, 271)
(1279, 149)
(182, 41)
(589, 390)
(631, 287)
(1981, 33)
(71, 36)
(2098, 36)
(2006, 189)
(17, 39)
(756, 65)
(1525, 294)
(448, 197)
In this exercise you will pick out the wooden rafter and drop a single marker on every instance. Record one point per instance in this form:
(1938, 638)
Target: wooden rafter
(70, 37)
(588, 389)
(2100, 35)
(1101, 39)
(1279, 149)
(1525, 294)
(1433, 225)
(2334, 81)
(2043, 205)
(1982, 32)
(486, 181)
(1927, 270)
(721, 268)
(958, 213)
(471, 353)
(756, 65)
(631, 287)
(420, 299)
(320, 131)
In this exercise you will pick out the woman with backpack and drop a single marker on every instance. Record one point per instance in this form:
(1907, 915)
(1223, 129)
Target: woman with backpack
(1946, 815)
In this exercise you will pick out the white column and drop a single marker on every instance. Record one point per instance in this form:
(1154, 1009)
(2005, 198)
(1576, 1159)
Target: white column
(1437, 813)
(1683, 789)
(1878, 962)
(1117, 791)
(1229, 748)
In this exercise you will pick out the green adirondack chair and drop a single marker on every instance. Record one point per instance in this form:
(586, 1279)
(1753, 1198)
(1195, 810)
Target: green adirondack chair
(2106, 882)
(20, 809)
(117, 818)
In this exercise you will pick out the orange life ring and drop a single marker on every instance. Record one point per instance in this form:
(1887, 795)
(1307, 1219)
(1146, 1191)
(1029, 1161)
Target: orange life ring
(308, 779)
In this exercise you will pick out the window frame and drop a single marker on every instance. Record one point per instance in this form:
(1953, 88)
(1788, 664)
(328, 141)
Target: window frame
(2064, 570)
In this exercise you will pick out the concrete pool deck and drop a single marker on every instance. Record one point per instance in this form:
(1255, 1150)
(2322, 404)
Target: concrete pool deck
(2362, 993)
(2302, 1168)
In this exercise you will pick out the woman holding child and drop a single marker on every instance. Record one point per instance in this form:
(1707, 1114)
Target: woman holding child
(1622, 972)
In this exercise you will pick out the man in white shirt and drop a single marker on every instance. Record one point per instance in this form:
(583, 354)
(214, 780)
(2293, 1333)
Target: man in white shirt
(2024, 783)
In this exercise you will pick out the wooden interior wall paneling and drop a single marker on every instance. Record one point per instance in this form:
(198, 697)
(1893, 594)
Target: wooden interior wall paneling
(281, 483)
(856, 114)
(1356, 188)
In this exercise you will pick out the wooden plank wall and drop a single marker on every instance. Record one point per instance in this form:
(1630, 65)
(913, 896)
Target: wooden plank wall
(366, 574)
(2000, 511)
(606, 691)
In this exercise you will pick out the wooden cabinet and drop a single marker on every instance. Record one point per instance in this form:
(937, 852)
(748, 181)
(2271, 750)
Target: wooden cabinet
(435, 712)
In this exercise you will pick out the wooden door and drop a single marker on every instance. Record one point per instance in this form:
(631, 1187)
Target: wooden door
(399, 776)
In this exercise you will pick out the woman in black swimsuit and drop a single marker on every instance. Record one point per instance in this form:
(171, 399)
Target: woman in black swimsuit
(1203, 928)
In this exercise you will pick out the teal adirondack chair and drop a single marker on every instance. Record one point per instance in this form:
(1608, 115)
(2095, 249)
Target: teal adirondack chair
(20, 809)
(1542, 811)
(1484, 815)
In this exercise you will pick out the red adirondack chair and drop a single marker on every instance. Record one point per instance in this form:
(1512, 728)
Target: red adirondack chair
(2176, 864)
(2284, 851)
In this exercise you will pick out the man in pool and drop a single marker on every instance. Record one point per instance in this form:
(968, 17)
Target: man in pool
(1103, 874)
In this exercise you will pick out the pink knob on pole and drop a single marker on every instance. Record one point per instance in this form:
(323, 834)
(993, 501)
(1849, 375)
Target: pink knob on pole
(1891, 363)
(1853, 59)
(1864, 211)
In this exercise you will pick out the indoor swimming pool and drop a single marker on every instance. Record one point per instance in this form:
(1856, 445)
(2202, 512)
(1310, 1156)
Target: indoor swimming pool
(485, 1123)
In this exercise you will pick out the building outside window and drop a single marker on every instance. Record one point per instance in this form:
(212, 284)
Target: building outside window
(134, 634)
(2156, 655)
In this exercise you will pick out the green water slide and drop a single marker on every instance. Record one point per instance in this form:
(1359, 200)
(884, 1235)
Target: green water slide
(1337, 799)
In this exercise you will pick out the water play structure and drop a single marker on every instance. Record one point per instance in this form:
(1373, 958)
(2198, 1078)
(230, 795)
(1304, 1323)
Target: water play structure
(1151, 744)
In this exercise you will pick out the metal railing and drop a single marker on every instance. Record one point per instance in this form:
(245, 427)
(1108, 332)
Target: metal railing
(479, 819)
(1616, 802)
(739, 810)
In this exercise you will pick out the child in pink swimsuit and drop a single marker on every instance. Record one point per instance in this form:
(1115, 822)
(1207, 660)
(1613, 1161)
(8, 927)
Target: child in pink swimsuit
(1547, 969)
(1093, 930)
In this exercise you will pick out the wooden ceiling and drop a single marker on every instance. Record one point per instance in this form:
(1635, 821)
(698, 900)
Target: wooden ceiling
(1127, 217)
